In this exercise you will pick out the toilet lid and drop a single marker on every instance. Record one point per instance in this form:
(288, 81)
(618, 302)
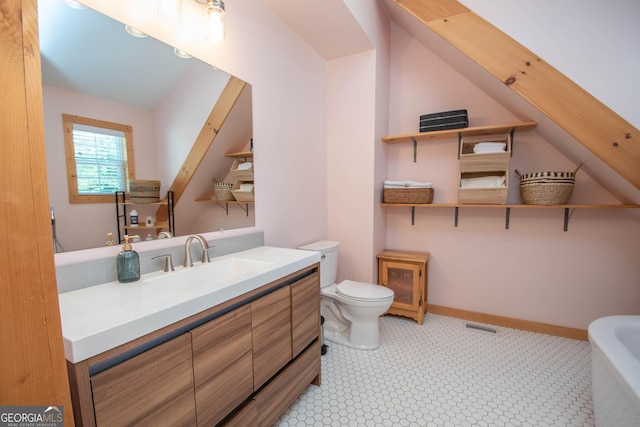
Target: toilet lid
(364, 291)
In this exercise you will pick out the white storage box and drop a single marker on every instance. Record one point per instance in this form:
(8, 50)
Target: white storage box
(484, 187)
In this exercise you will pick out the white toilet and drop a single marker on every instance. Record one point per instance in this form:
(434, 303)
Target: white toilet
(350, 309)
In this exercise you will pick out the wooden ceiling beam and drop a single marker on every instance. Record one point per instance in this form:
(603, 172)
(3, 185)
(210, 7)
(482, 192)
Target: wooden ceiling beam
(614, 140)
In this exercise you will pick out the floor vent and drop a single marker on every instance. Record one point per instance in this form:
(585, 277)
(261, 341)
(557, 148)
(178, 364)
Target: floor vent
(481, 328)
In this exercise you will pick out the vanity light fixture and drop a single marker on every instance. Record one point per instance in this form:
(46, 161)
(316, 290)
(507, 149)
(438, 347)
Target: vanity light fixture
(74, 4)
(215, 31)
(169, 8)
(181, 53)
(135, 32)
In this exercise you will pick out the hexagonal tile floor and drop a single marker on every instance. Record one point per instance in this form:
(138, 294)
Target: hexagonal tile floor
(445, 374)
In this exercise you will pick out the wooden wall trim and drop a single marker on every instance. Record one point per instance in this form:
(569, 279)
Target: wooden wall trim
(614, 140)
(33, 368)
(509, 322)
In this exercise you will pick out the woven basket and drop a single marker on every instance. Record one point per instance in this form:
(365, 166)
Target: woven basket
(222, 192)
(408, 195)
(546, 188)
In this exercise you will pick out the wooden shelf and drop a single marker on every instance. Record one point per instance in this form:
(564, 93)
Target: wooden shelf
(477, 205)
(568, 209)
(457, 133)
(240, 154)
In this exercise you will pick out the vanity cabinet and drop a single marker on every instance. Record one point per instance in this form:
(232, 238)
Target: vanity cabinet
(161, 380)
(406, 273)
(222, 365)
(271, 331)
(233, 364)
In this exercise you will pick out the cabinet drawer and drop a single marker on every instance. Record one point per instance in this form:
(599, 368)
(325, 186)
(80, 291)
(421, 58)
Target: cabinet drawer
(271, 325)
(222, 365)
(151, 389)
(280, 393)
(305, 312)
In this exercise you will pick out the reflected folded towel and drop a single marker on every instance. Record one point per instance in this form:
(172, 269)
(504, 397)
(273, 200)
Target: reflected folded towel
(489, 147)
(245, 187)
(407, 184)
(244, 166)
(483, 182)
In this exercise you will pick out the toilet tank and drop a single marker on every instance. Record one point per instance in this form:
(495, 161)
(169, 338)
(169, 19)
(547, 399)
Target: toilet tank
(329, 261)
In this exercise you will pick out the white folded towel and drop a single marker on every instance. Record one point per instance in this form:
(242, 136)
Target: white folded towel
(407, 184)
(483, 182)
(244, 166)
(489, 147)
(245, 187)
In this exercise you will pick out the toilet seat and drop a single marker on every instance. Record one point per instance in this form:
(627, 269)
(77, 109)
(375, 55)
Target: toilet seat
(363, 291)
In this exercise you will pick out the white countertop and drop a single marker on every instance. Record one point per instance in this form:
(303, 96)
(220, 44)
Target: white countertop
(101, 317)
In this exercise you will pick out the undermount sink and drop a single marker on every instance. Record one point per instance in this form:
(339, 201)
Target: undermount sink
(216, 271)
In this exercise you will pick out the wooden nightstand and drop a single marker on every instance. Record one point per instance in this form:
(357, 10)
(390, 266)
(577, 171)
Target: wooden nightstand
(406, 273)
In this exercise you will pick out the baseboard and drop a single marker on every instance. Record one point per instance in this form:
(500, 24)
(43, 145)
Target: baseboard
(508, 322)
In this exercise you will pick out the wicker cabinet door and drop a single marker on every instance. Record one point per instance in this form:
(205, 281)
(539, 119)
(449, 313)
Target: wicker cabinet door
(404, 279)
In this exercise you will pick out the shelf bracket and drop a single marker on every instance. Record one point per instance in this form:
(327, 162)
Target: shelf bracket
(413, 215)
(456, 217)
(415, 149)
(245, 208)
(567, 216)
(459, 143)
(225, 207)
(507, 217)
(512, 133)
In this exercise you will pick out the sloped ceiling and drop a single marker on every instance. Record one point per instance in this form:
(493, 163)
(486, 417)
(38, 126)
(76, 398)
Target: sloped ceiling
(324, 41)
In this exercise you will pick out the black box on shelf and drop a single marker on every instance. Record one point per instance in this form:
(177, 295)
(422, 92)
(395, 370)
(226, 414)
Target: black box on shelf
(444, 120)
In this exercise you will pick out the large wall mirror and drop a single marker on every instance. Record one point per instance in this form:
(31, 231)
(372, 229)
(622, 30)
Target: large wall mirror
(92, 67)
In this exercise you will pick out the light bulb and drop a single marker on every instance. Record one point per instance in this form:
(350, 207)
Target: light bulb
(169, 8)
(215, 21)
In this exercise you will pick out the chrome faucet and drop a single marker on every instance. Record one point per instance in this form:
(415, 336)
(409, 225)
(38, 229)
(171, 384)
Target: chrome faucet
(187, 250)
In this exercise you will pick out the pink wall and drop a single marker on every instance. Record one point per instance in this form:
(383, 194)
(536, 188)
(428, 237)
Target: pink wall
(80, 226)
(532, 271)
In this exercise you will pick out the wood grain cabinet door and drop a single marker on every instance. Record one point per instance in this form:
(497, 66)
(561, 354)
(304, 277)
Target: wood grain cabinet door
(404, 279)
(271, 324)
(152, 389)
(305, 312)
(222, 365)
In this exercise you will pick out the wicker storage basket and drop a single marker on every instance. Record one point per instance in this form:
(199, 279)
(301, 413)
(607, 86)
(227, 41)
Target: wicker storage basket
(222, 192)
(144, 191)
(408, 195)
(546, 188)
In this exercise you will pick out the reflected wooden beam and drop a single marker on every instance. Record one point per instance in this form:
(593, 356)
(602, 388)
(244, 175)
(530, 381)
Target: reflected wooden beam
(606, 134)
(203, 142)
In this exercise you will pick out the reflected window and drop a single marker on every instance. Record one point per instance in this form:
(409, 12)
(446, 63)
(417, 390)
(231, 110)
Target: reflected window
(99, 158)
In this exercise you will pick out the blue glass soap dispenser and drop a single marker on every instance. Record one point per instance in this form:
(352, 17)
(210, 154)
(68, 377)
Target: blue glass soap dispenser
(128, 262)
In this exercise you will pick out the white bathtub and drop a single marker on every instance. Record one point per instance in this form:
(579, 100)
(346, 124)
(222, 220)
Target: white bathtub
(615, 364)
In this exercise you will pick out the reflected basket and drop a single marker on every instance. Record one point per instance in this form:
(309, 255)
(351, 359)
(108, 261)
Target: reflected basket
(222, 192)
